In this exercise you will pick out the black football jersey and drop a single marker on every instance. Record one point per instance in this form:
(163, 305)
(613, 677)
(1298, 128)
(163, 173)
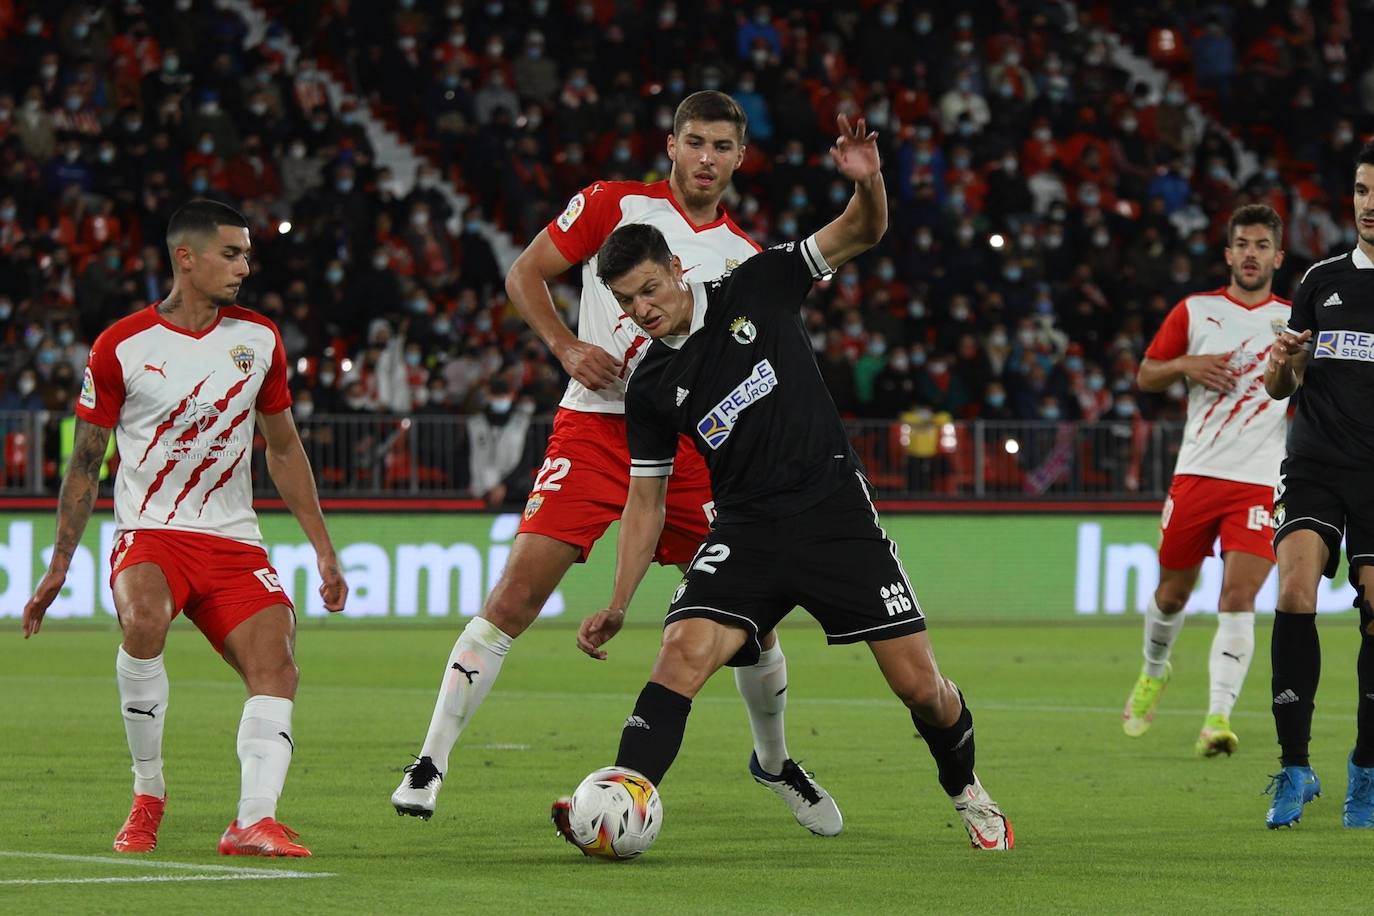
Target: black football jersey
(744, 386)
(1334, 418)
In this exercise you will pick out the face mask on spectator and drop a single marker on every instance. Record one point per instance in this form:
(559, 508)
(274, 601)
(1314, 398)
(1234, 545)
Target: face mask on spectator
(996, 399)
(483, 323)
(7, 214)
(1101, 239)
(356, 402)
(420, 219)
(443, 327)
(877, 348)
(886, 272)
(1125, 408)
(6, 310)
(500, 405)
(297, 151)
(1178, 391)
(206, 146)
(344, 185)
(199, 185)
(380, 262)
(66, 337)
(47, 357)
(170, 64)
(327, 378)
(1074, 364)
(1049, 412)
(74, 103)
(916, 310)
(26, 384)
(302, 410)
(959, 313)
(1012, 273)
(419, 305)
(899, 364)
(334, 276)
(113, 262)
(938, 367)
(924, 25)
(997, 339)
(412, 358)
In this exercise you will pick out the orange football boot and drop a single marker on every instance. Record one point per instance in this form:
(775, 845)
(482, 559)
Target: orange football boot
(139, 833)
(268, 837)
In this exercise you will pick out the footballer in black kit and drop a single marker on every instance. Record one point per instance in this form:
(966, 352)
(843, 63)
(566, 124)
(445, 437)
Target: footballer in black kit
(794, 522)
(731, 366)
(1325, 492)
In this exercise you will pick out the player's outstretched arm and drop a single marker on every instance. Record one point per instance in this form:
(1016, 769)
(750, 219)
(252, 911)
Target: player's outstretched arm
(74, 504)
(527, 284)
(1287, 361)
(640, 527)
(1211, 370)
(864, 220)
(289, 469)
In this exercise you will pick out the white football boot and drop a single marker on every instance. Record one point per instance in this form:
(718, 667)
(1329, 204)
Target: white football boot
(812, 806)
(988, 827)
(419, 789)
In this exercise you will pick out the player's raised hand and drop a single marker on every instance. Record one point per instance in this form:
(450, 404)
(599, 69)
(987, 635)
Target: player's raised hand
(1288, 345)
(333, 588)
(855, 151)
(1211, 370)
(590, 365)
(598, 629)
(48, 588)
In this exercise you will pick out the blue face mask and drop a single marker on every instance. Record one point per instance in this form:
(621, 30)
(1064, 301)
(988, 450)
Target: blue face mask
(1074, 364)
(199, 185)
(997, 399)
(412, 358)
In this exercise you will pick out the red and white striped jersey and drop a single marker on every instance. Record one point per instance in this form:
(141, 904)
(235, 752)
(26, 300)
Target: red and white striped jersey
(182, 406)
(591, 216)
(1238, 435)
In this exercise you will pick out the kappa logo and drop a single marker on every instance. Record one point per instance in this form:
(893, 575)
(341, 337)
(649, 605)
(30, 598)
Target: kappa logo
(681, 395)
(895, 598)
(743, 330)
(243, 358)
(1333, 299)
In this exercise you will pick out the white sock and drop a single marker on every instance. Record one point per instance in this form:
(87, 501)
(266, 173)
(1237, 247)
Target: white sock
(763, 686)
(1160, 632)
(143, 703)
(1232, 648)
(472, 668)
(265, 747)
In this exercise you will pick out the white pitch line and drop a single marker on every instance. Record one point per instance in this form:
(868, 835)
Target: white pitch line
(153, 879)
(215, 872)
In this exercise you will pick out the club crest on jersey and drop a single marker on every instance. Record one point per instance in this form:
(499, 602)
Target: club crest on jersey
(743, 330)
(532, 505)
(243, 358)
(574, 210)
(731, 264)
(716, 426)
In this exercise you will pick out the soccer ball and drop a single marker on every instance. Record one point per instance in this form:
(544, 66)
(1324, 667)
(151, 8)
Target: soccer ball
(615, 813)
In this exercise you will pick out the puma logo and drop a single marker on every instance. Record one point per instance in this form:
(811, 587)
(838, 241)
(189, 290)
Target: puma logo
(1214, 321)
(465, 672)
(142, 712)
(160, 370)
(782, 691)
(1229, 655)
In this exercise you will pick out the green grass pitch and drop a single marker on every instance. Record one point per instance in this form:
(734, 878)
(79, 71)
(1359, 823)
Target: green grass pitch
(1103, 823)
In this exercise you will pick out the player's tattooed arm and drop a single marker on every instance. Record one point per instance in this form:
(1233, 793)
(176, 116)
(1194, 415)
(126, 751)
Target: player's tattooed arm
(169, 305)
(77, 496)
(74, 505)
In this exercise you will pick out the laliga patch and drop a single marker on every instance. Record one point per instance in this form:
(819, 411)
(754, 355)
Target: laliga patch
(743, 330)
(532, 505)
(570, 215)
(87, 399)
(716, 426)
(243, 358)
(1356, 345)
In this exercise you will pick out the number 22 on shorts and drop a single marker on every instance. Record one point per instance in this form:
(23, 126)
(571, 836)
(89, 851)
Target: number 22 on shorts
(550, 472)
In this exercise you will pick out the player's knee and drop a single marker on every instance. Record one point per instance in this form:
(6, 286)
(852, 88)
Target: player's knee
(1294, 599)
(513, 606)
(1170, 599)
(1236, 601)
(278, 677)
(922, 692)
(144, 629)
(683, 665)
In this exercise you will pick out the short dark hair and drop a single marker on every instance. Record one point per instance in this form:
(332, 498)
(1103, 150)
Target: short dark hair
(200, 217)
(627, 248)
(710, 105)
(1366, 155)
(1255, 215)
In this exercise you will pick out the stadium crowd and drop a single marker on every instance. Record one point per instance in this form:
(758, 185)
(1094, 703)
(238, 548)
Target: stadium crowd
(1050, 206)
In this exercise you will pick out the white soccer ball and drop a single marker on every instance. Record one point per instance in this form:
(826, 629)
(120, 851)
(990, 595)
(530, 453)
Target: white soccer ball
(615, 814)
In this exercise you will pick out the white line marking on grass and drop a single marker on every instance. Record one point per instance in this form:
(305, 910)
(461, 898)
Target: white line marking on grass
(207, 872)
(499, 747)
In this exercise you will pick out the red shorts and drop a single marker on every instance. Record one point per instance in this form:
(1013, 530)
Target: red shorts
(1200, 508)
(218, 582)
(582, 485)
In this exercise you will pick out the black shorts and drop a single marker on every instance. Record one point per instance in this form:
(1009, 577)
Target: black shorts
(833, 559)
(1331, 501)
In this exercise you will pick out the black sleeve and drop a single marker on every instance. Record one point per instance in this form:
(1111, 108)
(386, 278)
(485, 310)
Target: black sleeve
(784, 273)
(651, 437)
(1304, 315)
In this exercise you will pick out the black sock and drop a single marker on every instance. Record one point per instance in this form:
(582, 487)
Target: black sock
(1364, 740)
(952, 749)
(1296, 658)
(653, 733)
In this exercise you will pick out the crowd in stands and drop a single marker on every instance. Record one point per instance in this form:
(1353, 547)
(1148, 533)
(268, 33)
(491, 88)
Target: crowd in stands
(1049, 207)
